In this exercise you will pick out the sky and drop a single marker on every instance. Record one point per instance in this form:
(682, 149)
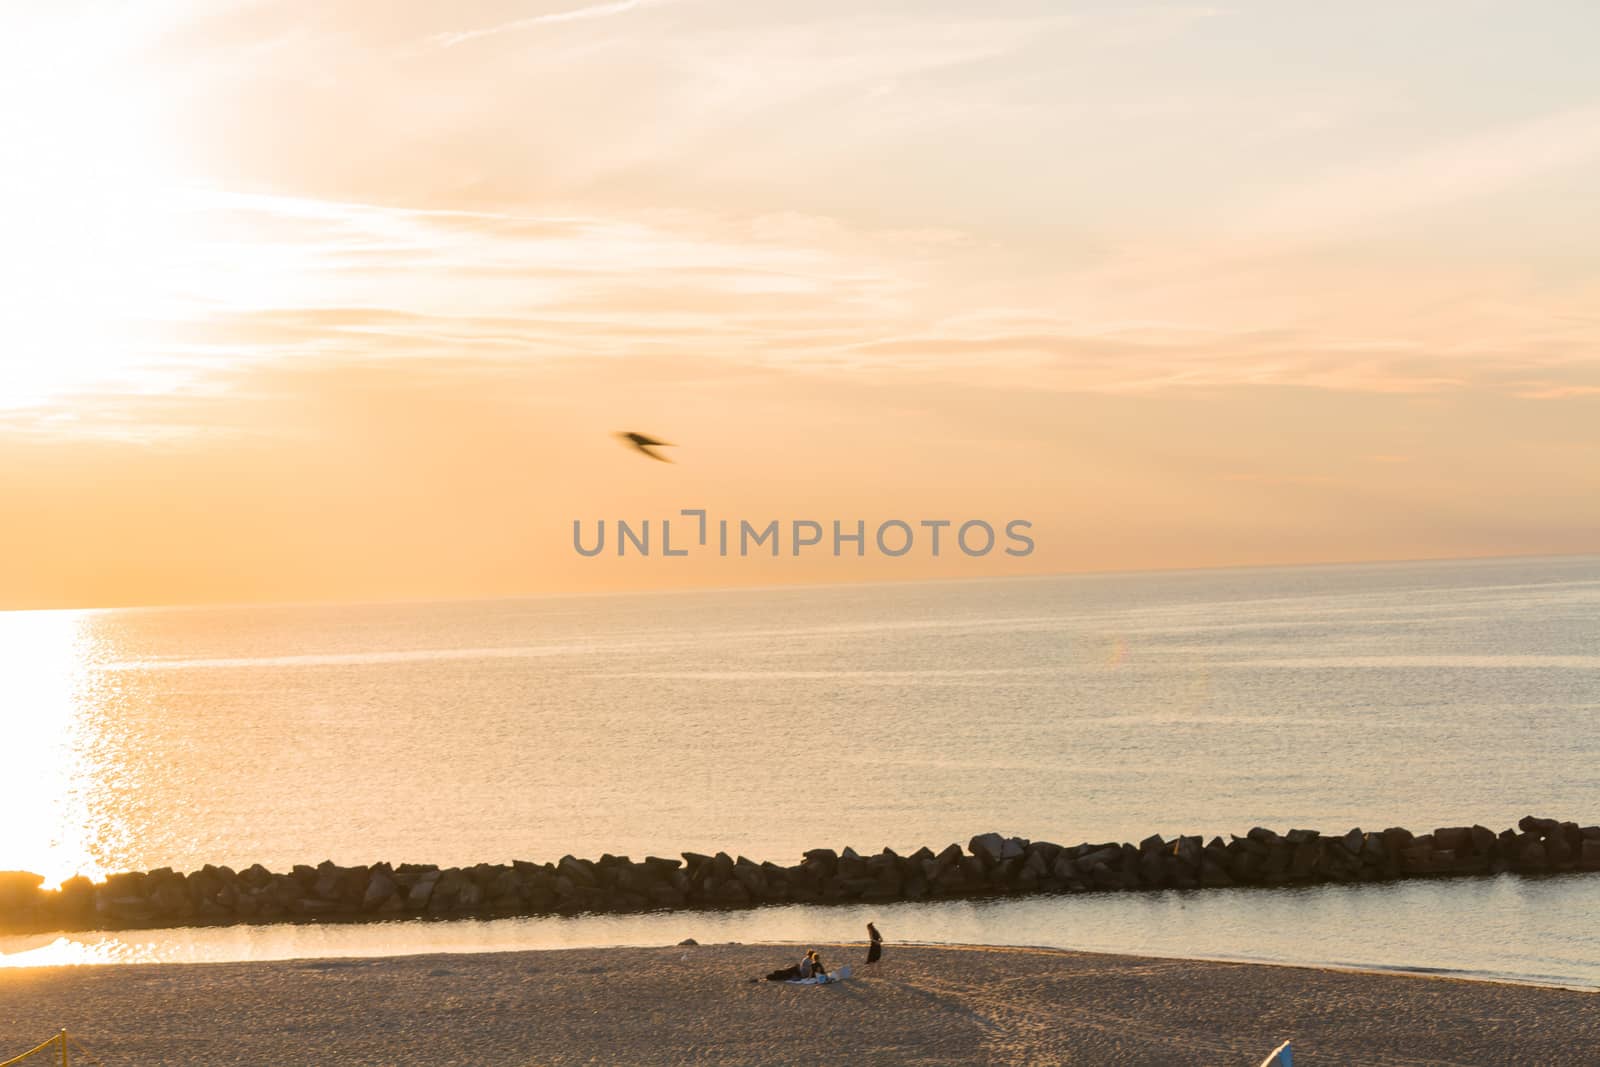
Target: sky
(346, 300)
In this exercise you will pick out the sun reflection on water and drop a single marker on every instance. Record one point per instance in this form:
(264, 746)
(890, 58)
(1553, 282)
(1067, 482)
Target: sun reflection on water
(56, 821)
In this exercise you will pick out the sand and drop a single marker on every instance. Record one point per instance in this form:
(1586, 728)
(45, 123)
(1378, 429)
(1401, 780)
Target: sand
(672, 1005)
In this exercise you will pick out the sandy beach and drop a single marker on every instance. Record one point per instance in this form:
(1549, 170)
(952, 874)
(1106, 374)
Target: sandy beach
(696, 1003)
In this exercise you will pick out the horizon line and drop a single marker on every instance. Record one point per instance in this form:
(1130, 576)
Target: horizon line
(777, 586)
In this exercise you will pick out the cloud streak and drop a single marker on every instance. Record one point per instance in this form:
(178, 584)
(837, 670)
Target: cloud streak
(1033, 195)
(1433, 178)
(282, 280)
(554, 18)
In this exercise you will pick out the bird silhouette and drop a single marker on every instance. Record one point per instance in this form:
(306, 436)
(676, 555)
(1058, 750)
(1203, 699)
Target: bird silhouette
(645, 444)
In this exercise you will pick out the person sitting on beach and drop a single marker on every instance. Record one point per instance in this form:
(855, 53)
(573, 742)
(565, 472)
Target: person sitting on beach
(817, 969)
(789, 974)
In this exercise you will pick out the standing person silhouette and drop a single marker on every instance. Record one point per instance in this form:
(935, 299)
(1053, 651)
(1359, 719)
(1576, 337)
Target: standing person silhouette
(875, 950)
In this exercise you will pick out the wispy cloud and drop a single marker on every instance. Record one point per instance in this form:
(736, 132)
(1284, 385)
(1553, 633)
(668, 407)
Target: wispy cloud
(282, 279)
(579, 14)
(1432, 178)
(1032, 194)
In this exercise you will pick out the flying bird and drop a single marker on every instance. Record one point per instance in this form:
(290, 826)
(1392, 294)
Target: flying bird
(645, 444)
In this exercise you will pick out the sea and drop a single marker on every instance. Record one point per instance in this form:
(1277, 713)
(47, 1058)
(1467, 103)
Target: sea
(764, 722)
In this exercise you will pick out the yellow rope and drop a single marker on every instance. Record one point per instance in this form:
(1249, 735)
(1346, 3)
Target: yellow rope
(56, 1041)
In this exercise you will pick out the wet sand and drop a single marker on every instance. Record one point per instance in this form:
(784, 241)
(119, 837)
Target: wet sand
(922, 1005)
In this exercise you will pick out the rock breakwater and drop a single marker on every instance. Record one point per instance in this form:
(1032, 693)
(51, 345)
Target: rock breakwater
(990, 865)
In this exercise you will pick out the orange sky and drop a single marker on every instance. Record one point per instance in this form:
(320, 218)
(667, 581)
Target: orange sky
(340, 301)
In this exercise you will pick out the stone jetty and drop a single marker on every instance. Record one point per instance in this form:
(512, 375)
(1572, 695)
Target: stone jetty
(990, 865)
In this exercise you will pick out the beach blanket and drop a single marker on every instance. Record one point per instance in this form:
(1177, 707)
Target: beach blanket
(823, 979)
(1282, 1056)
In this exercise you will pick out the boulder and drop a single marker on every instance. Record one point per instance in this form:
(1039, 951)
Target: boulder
(1187, 850)
(170, 901)
(77, 896)
(581, 872)
(18, 888)
(326, 886)
(1396, 838)
(749, 875)
(131, 884)
(663, 896)
(1045, 851)
(420, 894)
(1417, 859)
(1306, 858)
(851, 865)
(821, 862)
(254, 876)
(1104, 878)
(1558, 852)
(1247, 844)
(987, 847)
(380, 889)
(284, 890)
(128, 910)
(1180, 875)
(1099, 857)
(210, 911)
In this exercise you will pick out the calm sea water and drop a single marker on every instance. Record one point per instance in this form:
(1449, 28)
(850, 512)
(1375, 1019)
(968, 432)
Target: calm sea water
(766, 722)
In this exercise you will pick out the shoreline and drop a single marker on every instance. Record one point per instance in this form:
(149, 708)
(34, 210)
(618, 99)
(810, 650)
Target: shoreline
(1444, 974)
(1374, 969)
(923, 1003)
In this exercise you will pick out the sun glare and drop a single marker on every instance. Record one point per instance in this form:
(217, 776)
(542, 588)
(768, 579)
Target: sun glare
(42, 790)
(87, 235)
